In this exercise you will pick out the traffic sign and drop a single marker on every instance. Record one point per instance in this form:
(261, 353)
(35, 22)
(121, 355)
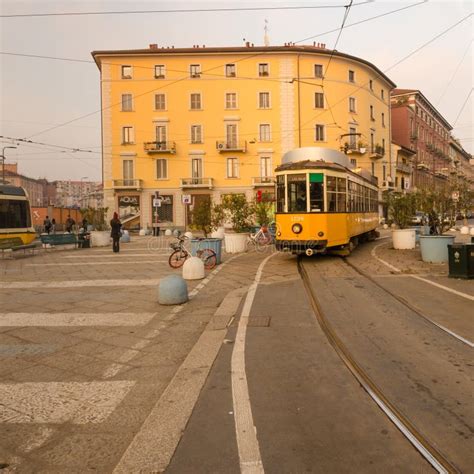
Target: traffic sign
(157, 202)
(186, 198)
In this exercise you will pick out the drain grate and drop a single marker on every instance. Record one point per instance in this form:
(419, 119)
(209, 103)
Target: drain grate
(259, 321)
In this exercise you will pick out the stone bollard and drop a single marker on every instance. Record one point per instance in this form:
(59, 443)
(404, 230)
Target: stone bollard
(189, 235)
(168, 232)
(193, 269)
(125, 239)
(465, 230)
(142, 232)
(172, 290)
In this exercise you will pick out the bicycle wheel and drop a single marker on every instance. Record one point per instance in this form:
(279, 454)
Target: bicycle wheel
(209, 258)
(264, 238)
(177, 258)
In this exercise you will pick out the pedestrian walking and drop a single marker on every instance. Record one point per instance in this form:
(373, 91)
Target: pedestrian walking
(70, 222)
(47, 225)
(53, 225)
(116, 233)
(85, 223)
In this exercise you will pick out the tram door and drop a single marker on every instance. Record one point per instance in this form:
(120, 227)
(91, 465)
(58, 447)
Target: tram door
(297, 199)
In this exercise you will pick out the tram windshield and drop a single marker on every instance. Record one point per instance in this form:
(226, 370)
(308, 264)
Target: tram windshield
(14, 214)
(296, 184)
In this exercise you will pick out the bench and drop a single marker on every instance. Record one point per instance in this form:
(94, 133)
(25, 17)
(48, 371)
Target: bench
(59, 239)
(14, 244)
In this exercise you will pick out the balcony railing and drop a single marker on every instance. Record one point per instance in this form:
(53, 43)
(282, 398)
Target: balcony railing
(160, 147)
(197, 183)
(422, 166)
(127, 183)
(403, 168)
(231, 145)
(350, 148)
(377, 151)
(263, 181)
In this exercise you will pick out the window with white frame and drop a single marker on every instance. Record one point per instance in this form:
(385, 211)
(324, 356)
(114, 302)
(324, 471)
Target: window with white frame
(232, 168)
(263, 69)
(319, 100)
(195, 70)
(352, 104)
(352, 137)
(230, 70)
(127, 102)
(162, 168)
(127, 135)
(160, 102)
(231, 100)
(351, 76)
(319, 133)
(265, 166)
(318, 70)
(127, 171)
(126, 72)
(231, 135)
(196, 167)
(196, 133)
(160, 71)
(196, 101)
(264, 132)
(264, 100)
(160, 134)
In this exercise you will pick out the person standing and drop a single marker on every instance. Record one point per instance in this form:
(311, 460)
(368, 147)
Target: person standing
(69, 223)
(47, 225)
(53, 225)
(115, 233)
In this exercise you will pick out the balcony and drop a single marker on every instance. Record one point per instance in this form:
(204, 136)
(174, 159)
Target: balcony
(442, 174)
(197, 183)
(127, 184)
(403, 168)
(351, 148)
(263, 181)
(423, 166)
(231, 145)
(377, 152)
(160, 147)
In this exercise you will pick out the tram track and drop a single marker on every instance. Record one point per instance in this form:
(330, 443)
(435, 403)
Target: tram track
(437, 459)
(410, 306)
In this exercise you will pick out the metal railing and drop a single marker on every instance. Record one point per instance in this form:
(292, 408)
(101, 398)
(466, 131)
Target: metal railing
(263, 181)
(160, 147)
(403, 168)
(231, 145)
(127, 183)
(197, 183)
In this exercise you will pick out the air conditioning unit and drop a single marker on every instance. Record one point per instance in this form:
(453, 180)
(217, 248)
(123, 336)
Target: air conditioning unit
(220, 146)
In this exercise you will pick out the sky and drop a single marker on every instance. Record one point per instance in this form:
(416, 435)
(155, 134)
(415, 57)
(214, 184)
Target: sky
(38, 93)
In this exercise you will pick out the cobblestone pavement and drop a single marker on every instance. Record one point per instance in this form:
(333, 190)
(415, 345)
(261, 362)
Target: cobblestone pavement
(86, 350)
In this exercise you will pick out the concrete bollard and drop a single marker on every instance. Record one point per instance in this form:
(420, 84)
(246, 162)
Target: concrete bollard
(172, 290)
(189, 235)
(465, 230)
(125, 239)
(193, 269)
(168, 232)
(142, 232)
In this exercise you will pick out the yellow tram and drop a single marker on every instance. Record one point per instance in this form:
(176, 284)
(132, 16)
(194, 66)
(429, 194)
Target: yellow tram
(323, 202)
(15, 217)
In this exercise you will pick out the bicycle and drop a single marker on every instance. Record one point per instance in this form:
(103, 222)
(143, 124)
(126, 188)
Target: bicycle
(262, 237)
(180, 254)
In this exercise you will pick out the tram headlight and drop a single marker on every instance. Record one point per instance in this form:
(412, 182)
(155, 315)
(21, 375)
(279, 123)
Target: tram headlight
(278, 233)
(297, 228)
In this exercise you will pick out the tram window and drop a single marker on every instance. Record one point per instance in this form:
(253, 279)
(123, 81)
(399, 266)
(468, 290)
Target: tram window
(280, 193)
(296, 192)
(336, 194)
(14, 214)
(316, 192)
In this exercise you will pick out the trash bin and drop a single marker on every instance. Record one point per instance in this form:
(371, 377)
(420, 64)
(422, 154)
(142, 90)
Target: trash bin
(461, 260)
(213, 244)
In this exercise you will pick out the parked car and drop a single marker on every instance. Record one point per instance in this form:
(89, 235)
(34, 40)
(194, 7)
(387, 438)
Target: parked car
(420, 218)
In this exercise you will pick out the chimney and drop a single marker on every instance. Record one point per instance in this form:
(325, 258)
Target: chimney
(153, 46)
(247, 44)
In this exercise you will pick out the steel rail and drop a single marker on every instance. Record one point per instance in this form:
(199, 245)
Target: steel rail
(418, 440)
(410, 306)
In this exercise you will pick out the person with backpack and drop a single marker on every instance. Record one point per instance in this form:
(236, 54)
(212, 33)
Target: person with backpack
(116, 232)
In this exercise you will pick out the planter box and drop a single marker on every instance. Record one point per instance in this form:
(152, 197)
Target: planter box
(213, 244)
(100, 238)
(404, 239)
(235, 243)
(434, 248)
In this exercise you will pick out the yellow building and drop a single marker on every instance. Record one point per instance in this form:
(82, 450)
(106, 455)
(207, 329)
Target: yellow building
(213, 121)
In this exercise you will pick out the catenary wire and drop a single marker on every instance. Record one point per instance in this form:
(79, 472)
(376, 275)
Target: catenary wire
(463, 105)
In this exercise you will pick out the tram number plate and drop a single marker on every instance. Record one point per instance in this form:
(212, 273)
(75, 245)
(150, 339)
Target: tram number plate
(297, 219)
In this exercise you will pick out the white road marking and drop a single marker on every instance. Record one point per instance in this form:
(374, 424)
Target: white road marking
(75, 283)
(247, 442)
(117, 255)
(74, 319)
(61, 402)
(416, 277)
(75, 264)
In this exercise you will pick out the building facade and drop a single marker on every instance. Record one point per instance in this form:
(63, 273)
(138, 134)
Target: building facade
(402, 168)
(70, 193)
(34, 187)
(200, 121)
(418, 126)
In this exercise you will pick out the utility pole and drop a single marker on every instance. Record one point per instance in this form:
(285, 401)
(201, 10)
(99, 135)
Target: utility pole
(3, 161)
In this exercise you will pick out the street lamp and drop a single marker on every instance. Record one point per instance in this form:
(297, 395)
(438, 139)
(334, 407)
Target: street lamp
(3, 162)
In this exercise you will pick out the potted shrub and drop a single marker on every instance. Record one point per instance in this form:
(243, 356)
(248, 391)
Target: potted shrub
(100, 235)
(206, 217)
(239, 213)
(263, 213)
(401, 208)
(438, 205)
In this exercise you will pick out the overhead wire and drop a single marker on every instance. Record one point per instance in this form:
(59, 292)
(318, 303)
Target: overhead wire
(462, 107)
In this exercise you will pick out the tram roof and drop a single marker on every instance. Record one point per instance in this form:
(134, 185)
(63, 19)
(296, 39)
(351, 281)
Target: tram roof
(7, 189)
(311, 164)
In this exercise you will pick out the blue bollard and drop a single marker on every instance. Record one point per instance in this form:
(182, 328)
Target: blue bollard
(172, 290)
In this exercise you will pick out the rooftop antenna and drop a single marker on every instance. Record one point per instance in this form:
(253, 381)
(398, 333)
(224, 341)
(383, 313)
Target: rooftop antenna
(266, 40)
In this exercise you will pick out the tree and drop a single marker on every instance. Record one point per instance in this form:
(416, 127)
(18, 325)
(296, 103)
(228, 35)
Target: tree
(207, 216)
(401, 208)
(238, 211)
